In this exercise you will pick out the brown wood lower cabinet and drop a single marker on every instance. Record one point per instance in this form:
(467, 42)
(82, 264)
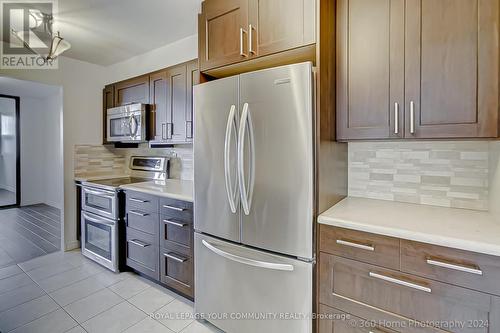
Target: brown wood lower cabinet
(393, 300)
(159, 240)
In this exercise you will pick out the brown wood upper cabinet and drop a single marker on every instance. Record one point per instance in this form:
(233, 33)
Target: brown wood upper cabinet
(417, 69)
(134, 90)
(232, 31)
(171, 99)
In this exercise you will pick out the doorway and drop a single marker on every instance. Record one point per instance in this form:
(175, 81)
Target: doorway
(10, 145)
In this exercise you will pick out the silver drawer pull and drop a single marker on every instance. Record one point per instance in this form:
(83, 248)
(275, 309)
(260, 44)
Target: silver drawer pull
(356, 245)
(174, 257)
(174, 208)
(133, 212)
(457, 267)
(177, 224)
(138, 200)
(400, 282)
(138, 243)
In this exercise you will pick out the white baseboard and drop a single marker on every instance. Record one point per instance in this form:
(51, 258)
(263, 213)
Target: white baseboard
(72, 245)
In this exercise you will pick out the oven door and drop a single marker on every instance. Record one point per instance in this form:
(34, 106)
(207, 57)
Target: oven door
(128, 126)
(100, 202)
(99, 240)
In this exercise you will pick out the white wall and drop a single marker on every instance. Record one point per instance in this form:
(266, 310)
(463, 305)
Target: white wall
(8, 148)
(175, 53)
(82, 85)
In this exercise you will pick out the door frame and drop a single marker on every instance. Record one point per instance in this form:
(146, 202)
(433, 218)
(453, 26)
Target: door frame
(18, 151)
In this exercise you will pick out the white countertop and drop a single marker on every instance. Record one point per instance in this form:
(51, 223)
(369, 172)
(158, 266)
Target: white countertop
(451, 227)
(170, 188)
(86, 178)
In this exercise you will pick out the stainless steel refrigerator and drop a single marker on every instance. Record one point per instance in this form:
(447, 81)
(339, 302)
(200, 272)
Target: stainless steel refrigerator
(254, 197)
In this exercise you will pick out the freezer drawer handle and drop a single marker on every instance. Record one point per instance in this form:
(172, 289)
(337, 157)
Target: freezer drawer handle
(454, 266)
(247, 261)
(400, 282)
(356, 245)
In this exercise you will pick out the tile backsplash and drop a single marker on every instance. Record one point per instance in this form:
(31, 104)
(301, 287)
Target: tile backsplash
(439, 173)
(97, 160)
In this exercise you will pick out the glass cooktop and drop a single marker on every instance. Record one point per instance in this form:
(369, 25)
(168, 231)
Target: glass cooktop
(114, 183)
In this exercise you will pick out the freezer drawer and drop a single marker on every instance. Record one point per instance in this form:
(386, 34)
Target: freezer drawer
(233, 281)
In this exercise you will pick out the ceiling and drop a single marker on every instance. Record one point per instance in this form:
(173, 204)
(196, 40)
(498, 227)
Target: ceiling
(105, 32)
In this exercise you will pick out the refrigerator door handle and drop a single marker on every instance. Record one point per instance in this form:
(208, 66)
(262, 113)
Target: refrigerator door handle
(231, 192)
(246, 194)
(247, 261)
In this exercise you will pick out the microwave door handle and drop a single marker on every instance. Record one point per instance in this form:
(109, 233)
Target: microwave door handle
(227, 158)
(134, 126)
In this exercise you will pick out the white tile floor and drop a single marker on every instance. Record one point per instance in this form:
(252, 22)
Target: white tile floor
(65, 292)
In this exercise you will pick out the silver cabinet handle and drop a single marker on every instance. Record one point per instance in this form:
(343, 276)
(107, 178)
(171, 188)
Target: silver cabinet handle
(247, 261)
(250, 39)
(242, 52)
(174, 257)
(174, 208)
(138, 200)
(134, 212)
(227, 159)
(412, 117)
(177, 224)
(396, 118)
(400, 282)
(462, 268)
(246, 193)
(139, 243)
(356, 245)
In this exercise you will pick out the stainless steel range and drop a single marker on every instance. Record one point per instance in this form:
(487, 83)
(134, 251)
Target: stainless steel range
(103, 209)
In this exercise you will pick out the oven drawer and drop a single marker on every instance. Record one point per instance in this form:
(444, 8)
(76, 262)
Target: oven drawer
(142, 202)
(142, 221)
(362, 246)
(176, 209)
(375, 293)
(142, 253)
(335, 321)
(177, 271)
(176, 232)
(462, 268)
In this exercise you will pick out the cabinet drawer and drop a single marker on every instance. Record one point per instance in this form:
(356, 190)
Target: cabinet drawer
(177, 271)
(142, 221)
(462, 268)
(375, 293)
(177, 232)
(177, 209)
(142, 253)
(362, 246)
(141, 201)
(335, 321)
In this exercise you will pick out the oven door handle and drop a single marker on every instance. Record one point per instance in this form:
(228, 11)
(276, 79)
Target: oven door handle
(99, 193)
(91, 219)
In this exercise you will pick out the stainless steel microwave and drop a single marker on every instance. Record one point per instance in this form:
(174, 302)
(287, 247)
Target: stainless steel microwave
(127, 123)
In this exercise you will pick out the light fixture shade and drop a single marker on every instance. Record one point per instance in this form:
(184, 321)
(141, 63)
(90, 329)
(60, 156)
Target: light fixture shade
(58, 46)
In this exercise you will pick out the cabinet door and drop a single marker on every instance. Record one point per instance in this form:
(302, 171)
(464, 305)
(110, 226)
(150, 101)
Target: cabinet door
(176, 104)
(193, 78)
(278, 25)
(158, 86)
(452, 68)
(223, 33)
(135, 90)
(108, 99)
(370, 69)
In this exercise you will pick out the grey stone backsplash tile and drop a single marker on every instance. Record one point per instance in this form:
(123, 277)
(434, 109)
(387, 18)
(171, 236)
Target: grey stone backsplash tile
(99, 160)
(440, 173)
